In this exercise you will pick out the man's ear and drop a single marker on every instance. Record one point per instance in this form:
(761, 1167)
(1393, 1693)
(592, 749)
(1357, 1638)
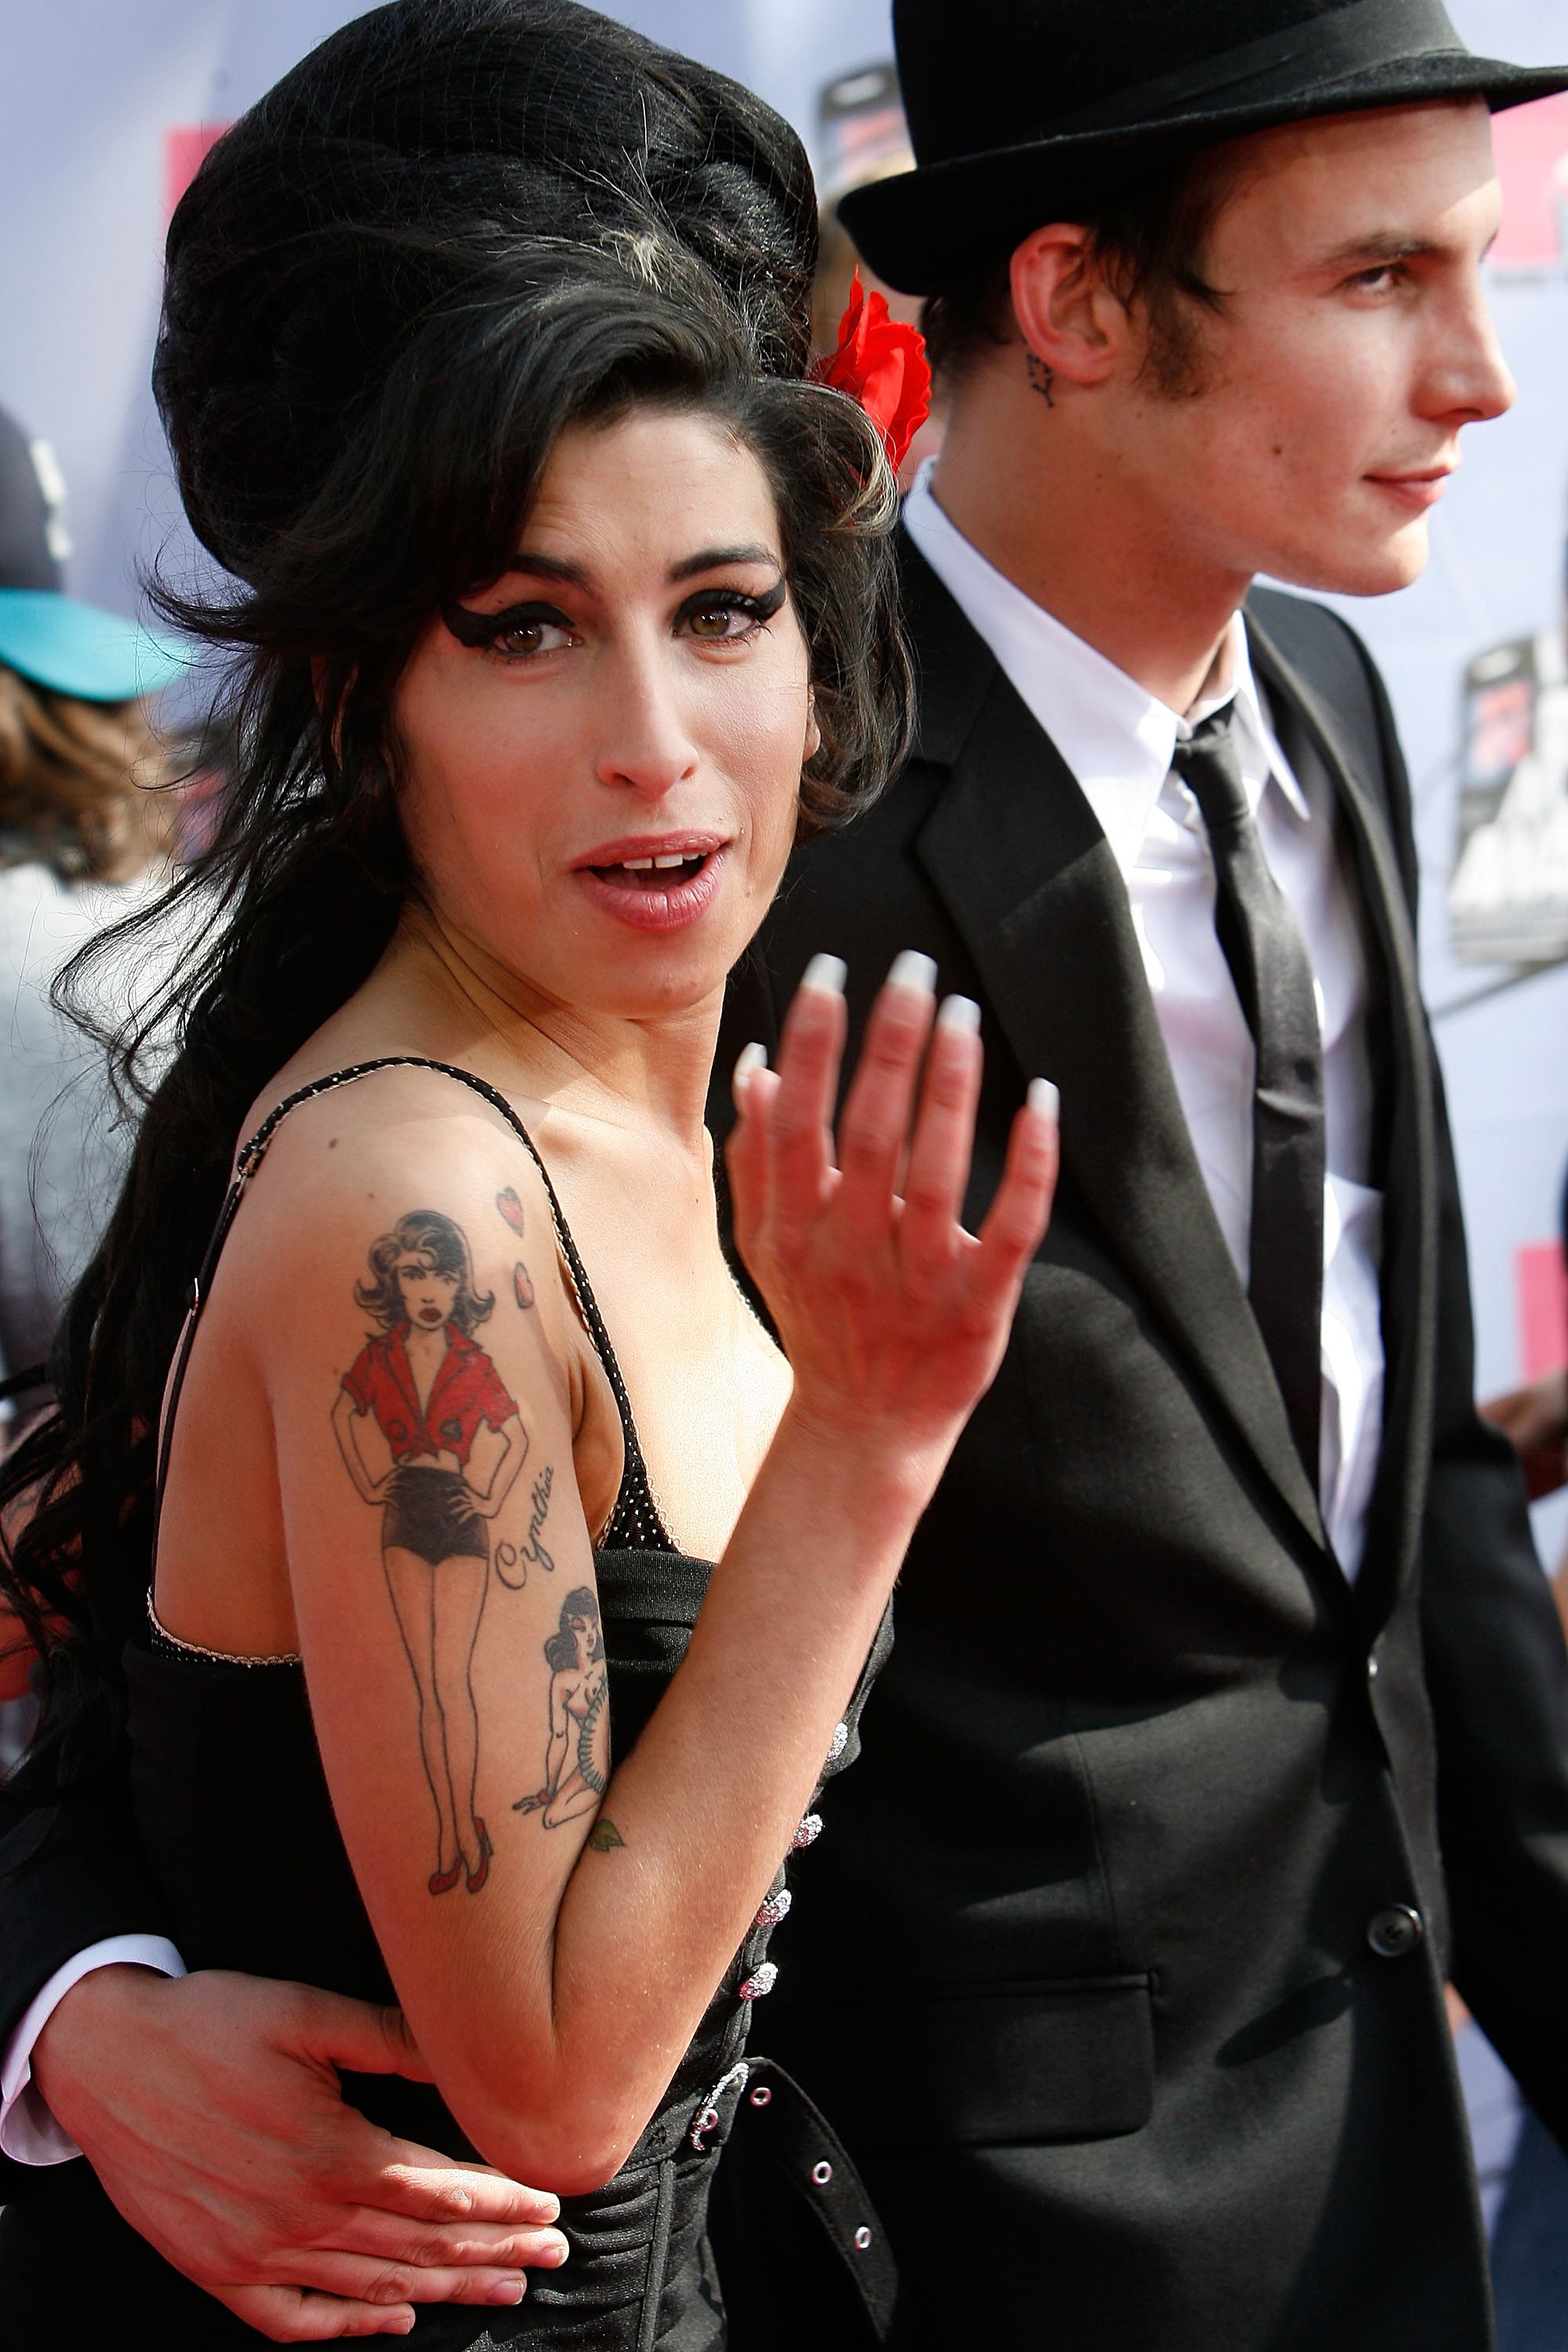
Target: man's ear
(1069, 317)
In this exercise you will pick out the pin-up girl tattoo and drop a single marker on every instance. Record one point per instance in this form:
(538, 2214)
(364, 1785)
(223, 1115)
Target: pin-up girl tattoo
(577, 1752)
(456, 1445)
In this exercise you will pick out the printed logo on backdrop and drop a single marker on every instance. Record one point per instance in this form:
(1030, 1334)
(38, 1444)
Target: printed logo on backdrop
(1508, 900)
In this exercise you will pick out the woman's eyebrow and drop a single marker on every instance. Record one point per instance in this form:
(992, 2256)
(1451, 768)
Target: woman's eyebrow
(707, 559)
(713, 559)
(548, 567)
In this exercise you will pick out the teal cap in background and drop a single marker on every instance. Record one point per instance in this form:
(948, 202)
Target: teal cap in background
(80, 649)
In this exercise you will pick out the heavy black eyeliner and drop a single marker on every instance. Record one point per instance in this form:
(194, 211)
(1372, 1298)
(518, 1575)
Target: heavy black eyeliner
(481, 629)
(759, 607)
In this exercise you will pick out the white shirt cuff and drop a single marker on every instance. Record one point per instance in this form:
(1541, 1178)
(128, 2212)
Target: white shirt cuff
(27, 2130)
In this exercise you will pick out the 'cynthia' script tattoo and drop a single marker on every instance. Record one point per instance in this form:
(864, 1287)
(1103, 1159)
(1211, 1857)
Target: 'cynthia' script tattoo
(447, 1446)
(540, 1499)
(512, 1561)
(577, 1746)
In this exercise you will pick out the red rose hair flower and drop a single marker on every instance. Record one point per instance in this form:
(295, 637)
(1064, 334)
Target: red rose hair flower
(881, 364)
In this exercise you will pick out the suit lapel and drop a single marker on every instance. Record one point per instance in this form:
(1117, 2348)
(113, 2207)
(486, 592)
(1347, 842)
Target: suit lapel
(1409, 1178)
(1015, 853)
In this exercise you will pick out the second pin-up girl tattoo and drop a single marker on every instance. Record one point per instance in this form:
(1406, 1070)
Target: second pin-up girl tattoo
(577, 1749)
(457, 1445)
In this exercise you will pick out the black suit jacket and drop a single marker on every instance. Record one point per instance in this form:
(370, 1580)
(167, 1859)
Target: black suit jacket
(1082, 1966)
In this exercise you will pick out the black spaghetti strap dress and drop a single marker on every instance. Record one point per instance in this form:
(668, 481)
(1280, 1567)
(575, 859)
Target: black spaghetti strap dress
(232, 1809)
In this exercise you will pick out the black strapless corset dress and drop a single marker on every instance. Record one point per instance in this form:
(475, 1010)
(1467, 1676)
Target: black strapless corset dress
(234, 1811)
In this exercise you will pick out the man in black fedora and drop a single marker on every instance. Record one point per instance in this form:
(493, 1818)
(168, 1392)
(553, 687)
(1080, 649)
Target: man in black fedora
(1228, 1711)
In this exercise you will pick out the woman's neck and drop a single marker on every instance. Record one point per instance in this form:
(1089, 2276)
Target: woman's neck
(465, 1006)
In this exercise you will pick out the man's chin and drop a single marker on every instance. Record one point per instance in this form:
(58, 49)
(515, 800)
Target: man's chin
(1357, 566)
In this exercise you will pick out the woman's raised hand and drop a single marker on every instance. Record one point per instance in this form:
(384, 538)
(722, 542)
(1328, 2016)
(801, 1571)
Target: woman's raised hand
(894, 1319)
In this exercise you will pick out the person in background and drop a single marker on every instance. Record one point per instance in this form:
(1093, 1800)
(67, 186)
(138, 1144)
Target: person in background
(1534, 1420)
(87, 815)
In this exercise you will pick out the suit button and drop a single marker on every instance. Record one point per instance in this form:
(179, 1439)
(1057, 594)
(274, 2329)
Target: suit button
(1395, 1931)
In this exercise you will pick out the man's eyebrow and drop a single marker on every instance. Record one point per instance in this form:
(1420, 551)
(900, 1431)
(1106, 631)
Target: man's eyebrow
(713, 559)
(1386, 244)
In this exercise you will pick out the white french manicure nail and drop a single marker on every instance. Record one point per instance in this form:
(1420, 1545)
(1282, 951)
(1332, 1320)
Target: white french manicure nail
(1044, 1099)
(749, 1058)
(960, 1013)
(913, 970)
(827, 972)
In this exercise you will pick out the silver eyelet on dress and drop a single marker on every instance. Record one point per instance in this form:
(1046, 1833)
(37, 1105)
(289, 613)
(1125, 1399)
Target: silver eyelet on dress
(862, 2239)
(761, 2096)
(709, 2119)
(822, 2173)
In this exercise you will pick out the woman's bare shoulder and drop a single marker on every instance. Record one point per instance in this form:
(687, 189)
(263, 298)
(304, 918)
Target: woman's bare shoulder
(359, 1098)
(345, 1170)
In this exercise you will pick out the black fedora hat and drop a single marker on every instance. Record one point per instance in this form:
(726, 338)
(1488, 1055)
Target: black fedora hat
(1020, 110)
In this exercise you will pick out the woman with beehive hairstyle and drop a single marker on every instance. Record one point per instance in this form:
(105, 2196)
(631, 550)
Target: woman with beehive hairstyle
(566, 607)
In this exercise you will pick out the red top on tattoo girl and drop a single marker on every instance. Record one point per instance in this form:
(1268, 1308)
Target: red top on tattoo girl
(466, 1392)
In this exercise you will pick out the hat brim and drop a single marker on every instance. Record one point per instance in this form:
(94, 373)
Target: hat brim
(921, 227)
(81, 650)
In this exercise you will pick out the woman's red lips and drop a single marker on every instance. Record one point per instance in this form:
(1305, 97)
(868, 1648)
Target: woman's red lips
(647, 852)
(657, 884)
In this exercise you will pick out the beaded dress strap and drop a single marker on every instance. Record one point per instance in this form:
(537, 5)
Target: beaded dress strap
(635, 1522)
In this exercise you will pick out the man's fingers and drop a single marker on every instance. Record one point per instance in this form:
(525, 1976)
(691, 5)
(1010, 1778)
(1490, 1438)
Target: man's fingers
(359, 2278)
(415, 2181)
(938, 1169)
(287, 2315)
(444, 2247)
(360, 2037)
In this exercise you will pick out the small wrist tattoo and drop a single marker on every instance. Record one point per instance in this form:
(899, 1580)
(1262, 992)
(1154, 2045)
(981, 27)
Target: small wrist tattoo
(1041, 377)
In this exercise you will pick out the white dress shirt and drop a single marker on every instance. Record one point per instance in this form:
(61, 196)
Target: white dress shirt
(28, 2132)
(1118, 740)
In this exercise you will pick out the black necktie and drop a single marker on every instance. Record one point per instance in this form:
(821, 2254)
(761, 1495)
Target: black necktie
(1273, 975)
